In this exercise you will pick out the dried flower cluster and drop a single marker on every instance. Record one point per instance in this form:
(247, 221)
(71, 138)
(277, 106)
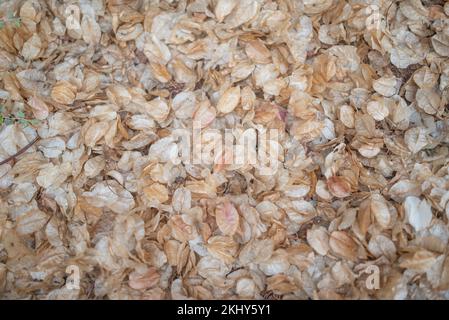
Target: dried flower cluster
(362, 177)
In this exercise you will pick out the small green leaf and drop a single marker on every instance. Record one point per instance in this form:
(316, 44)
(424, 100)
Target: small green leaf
(23, 122)
(1, 119)
(34, 122)
(20, 114)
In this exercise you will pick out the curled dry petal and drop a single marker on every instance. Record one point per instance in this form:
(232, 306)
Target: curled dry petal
(386, 86)
(428, 100)
(420, 261)
(227, 218)
(205, 114)
(347, 116)
(380, 210)
(339, 186)
(318, 239)
(343, 245)
(145, 279)
(64, 92)
(256, 251)
(418, 212)
(258, 52)
(158, 109)
(128, 32)
(381, 245)
(223, 248)
(112, 195)
(416, 139)
(38, 107)
(91, 30)
(378, 110)
(156, 191)
(32, 47)
(229, 100)
(224, 8)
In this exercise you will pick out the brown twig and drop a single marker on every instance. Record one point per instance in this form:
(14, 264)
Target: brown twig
(18, 153)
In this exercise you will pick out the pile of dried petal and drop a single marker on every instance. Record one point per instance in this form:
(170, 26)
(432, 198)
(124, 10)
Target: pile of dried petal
(362, 181)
